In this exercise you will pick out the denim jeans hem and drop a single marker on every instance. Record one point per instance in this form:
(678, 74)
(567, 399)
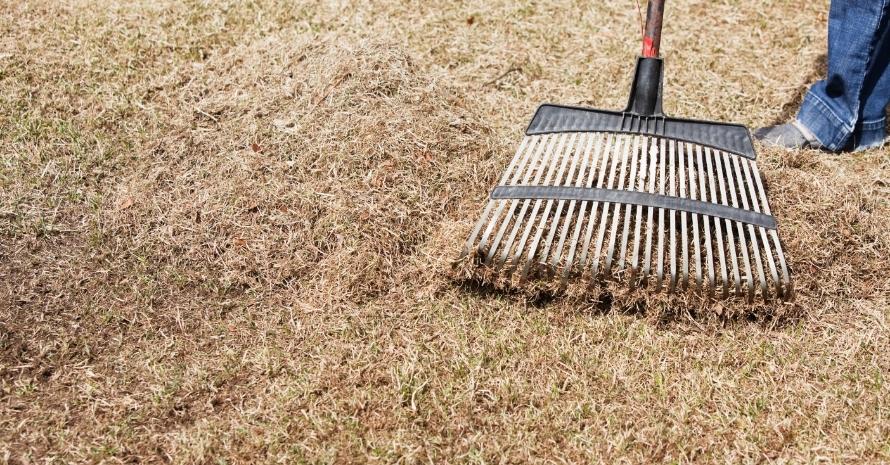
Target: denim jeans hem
(871, 134)
(818, 117)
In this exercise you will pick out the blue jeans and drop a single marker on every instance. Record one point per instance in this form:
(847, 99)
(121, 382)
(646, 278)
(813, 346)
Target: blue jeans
(847, 110)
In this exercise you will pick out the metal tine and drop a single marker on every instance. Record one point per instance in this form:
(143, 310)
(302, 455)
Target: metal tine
(673, 216)
(721, 173)
(552, 160)
(706, 221)
(612, 143)
(647, 254)
(547, 221)
(527, 143)
(527, 166)
(518, 219)
(648, 147)
(536, 166)
(721, 251)
(634, 183)
(616, 213)
(755, 248)
(659, 260)
(684, 238)
(763, 237)
(743, 243)
(591, 138)
(604, 216)
(789, 287)
(583, 210)
(581, 154)
(693, 194)
(716, 221)
(533, 219)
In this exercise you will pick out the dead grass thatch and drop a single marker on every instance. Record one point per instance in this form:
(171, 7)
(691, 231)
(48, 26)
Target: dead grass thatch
(227, 233)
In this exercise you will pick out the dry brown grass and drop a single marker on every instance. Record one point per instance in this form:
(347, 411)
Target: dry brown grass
(226, 232)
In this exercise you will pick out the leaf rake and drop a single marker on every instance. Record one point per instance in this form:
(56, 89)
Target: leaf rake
(635, 195)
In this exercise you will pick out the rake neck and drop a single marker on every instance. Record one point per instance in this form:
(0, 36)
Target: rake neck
(645, 92)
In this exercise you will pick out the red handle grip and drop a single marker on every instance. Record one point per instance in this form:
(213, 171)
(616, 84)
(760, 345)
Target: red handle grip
(652, 33)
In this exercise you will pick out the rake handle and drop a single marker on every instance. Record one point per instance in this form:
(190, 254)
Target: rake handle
(652, 33)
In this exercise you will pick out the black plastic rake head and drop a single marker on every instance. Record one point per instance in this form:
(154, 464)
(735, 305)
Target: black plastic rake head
(643, 116)
(636, 195)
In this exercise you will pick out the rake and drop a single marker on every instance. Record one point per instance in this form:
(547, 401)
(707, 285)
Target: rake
(635, 195)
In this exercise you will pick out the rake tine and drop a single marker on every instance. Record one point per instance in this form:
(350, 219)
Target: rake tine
(558, 157)
(637, 215)
(786, 277)
(605, 211)
(721, 250)
(580, 219)
(718, 156)
(693, 194)
(755, 248)
(632, 180)
(740, 229)
(611, 143)
(527, 165)
(659, 265)
(706, 220)
(485, 215)
(638, 218)
(672, 182)
(534, 165)
(684, 216)
(650, 211)
(518, 219)
(616, 212)
(763, 237)
(579, 155)
(788, 293)
(521, 223)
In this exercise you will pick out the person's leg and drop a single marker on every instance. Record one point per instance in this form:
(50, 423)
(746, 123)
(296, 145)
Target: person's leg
(833, 107)
(871, 130)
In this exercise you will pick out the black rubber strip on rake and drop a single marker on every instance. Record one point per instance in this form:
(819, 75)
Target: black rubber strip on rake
(643, 199)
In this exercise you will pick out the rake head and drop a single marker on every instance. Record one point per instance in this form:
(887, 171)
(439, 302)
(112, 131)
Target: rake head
(635, 196)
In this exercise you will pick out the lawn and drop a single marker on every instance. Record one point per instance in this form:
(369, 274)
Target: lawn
(227, 234)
